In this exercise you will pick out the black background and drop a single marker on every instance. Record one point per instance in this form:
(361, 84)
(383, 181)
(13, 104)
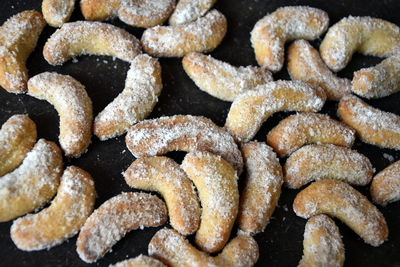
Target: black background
(281, 243)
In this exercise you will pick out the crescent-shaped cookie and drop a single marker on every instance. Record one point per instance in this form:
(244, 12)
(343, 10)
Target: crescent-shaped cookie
(305, 128)
(270, 33)
(378, 81)
(18, 38)
(385, 187)
(373, 126)
(340, 200)
(251, 109)
(143, 13)
(64, 217)
(33, 183)
(201, 35)
(90, 38)
(165, 176)
(323, 246)
(216, 183)
(174, 250)
(305, 63)
(57, 12)
(70, 99)
(366, 35)
(221, 79)
(139, 261)
(262, 187)
(143, 85)
(316, 162)
(114, 218)
(17, 137)
(182, 132)
(190, 10)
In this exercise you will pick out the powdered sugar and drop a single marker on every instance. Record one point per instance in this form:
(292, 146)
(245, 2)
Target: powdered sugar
(221, 79)
(73, 105)
(251, 109)
(385, 187)
(114, 218)
(270, 33)
(182, 132)
(262, 187)
(189, 10)
(202, 35)
(315, 162)
(57, 12)
(142, 87)
(33, 183)
(87, 38)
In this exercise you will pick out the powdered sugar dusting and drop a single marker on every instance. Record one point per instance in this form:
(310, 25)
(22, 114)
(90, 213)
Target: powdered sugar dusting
(114, 218)
(142, 87)
(262, 187)
(190, 10)
(90, 38)
(57, 12)
(306, 128)
(322, 243)
(62, 219)
(73, 105)
(251, 109)
(202, 35)
(33, 183)
(385, 187)
(370, 36)
(182, 132)
(164, 175)
(220, 79)
(305, 63)
(339, 199)
(380, 80)
(316, 162)
(372, 125)
(138, 261)
(270, 33)
(216, 182)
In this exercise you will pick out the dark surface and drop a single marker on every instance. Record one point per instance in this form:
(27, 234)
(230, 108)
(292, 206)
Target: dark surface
(281, 243)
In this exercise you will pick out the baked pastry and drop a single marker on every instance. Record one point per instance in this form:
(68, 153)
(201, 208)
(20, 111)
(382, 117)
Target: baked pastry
(90, 38)
(201, 35)
(114, 218)
(57, 12)
(366, 35)
(17, 137)
(385, 187)
(139, 261)
(70, 99)
(18, 38)
(305, 128)
(378, 81)
(165, 176)
(143, 85)
(262, 187)
(373, 126)
(221, 79)
(182, 132)
(305, 63)
(216, 183)
(143, 13)
(322, 243)
(251, 109)
(33, 183)
(174, 250)
(316, 162)
(340, 200)
(64, 217)
(189, 10)
(288, 23)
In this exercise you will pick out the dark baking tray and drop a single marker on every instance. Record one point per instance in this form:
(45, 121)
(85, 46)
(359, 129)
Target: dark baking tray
(281, 243)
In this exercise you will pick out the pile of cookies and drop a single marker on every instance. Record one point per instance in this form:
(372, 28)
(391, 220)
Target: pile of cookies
(200, 196)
